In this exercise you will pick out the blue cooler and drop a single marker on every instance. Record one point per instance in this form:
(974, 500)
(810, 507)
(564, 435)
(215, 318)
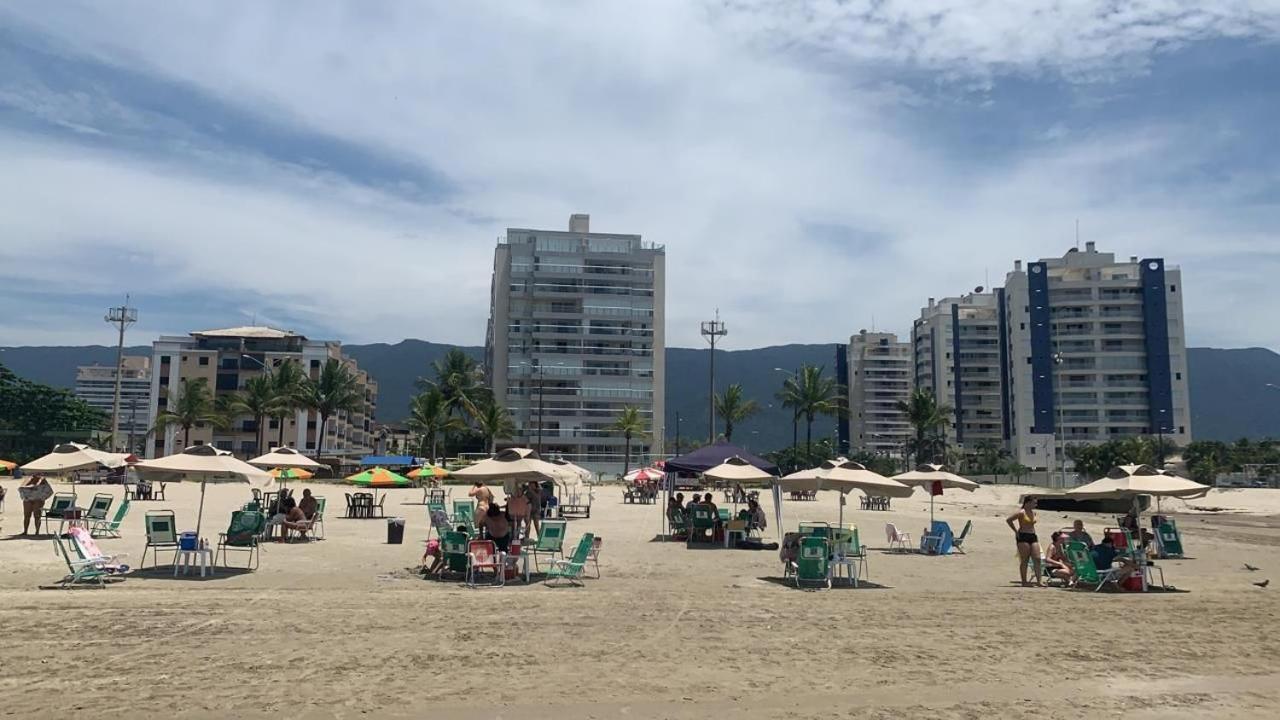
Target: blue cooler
(187, 541)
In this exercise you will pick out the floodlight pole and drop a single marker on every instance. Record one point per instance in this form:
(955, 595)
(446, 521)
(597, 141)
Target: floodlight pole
(122, 317)
(713, 330)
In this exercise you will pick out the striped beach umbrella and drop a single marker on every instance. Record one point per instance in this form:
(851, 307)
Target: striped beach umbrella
(291, 474)
(379, 477)
(428, 471)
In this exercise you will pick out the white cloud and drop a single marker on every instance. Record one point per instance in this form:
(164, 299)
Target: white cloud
(720, 131)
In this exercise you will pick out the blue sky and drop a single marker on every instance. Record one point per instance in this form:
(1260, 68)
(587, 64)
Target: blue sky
(812, 167)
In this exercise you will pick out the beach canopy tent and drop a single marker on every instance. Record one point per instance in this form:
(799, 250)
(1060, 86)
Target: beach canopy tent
(286, 457)
(1127, 481)
(378, 477)
(393, 460)
(72, 457)
(735, 470)
(209, 465)
(572, 472)
(704, 458)
(934, 479)
(843, 477)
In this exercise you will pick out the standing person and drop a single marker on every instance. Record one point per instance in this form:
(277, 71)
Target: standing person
(1023, 524)
(33, 493)
(483, 496)
(533, 493)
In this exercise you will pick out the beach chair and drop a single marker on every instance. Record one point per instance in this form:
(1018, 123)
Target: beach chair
(811, 565)
(841, 556)
(60, 503)
(897, 539)
(678, 522)
(702, 524)
(439, 520)
(482, 556)
(379, 510)
(158, 493)
(789, 553)
(570, 570)
(464, 513)
(550, 541)
(87, 549)
(79, 571)
(317, 520)
(1168, 539)
(162, 534)
(242, 535)
(455, 552)
(1087, 573)
(815, 529)
(99, 507)
(855, 549)
(958, 542)
(111, 527)
(594, 555)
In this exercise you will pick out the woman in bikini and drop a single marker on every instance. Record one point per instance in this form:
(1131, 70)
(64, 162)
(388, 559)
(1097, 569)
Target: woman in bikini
(1023, 524)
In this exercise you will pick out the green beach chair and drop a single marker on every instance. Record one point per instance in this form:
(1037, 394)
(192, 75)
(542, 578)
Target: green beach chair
(1087, 573)
(464, 513)
(317, 520)
(79, 571)
(570, 570)
(550, 541)
(437, 519)
(99, 507)
(111, 527)
(60, 503)
(455, 552)
(242, 535)
(811, 565)
(162, 534)
(702, 524)
(1169, 540)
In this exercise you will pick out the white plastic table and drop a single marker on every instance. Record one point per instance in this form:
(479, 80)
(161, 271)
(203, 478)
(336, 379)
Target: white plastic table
(184, 560)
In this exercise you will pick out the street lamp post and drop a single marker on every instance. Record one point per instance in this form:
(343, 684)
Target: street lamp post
(1060, 431)
(795, 416)
(677, 433)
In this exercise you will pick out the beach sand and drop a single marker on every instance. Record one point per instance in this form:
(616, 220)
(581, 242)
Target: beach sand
(343, 629)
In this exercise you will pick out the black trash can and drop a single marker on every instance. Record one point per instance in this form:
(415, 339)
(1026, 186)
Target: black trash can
(395, 531)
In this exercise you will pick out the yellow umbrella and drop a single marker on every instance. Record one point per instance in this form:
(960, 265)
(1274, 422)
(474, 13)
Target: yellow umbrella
(428, 471)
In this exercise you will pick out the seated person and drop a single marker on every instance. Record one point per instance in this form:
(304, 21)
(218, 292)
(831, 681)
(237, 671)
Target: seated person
(1105, 558)
(715, 511)
(1078, 534)
(1055, 560)
(436, 554)
(496, 525)
(290, 517)
(756, 519)
(789, 552)
(308, 504)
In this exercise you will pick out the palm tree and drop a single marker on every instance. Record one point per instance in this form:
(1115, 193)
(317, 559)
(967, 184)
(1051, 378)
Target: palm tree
(335, 390)
(629, 424)
(809, 394)
(286, 381)
(257, 399)
(461, 381)
(494, 421)
(194, 405)
(733, 408)
(429, 417)
(928, 418)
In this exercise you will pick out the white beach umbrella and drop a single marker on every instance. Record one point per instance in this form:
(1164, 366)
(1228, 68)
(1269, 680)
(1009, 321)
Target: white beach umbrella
(70, 457)
(511, 466)
(735, 469)
(286, 457)
(929, 476)
(209, 465)
(844, 478)
(1130, 481)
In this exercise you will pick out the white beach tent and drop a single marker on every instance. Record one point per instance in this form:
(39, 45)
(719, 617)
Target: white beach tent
(71, 457)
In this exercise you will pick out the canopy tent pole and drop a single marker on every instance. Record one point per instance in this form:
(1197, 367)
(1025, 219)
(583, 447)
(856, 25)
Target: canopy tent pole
(200, 512)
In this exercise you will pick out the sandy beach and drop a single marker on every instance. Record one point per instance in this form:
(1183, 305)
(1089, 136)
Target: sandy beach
(342, 628)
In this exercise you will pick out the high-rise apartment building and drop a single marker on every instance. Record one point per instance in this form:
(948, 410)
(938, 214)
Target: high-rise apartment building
(958, 356)
(229, 357)
(1096, 351)
(880, 375)
(96, 385)
(575, 336)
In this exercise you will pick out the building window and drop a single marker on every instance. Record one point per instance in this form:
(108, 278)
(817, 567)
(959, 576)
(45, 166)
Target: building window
(204, 360)
(1032, 450)
(1177, 376)
(315, 364)
(1173, 288)
(1182, 429)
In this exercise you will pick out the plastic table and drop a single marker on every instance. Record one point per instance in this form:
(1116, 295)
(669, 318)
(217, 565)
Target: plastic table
(186, 559)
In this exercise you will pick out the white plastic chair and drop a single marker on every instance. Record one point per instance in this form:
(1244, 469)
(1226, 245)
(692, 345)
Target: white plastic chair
(897, 540)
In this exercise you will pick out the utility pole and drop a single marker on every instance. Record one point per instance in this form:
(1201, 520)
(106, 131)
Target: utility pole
(133, 421)
(1060, 435)
(712, 330)
(677, 433)
(122, 317)
(540, 384)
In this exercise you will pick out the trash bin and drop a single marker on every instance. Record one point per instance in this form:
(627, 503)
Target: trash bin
(395, 531)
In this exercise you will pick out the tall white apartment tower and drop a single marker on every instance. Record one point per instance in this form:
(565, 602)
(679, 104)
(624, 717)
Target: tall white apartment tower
(880, 375)
(575, 335)
(959, 357)
(1096, 351)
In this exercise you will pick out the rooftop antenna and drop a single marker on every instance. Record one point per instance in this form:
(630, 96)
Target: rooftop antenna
(713, 330)
(1077, 233)
(122, 317)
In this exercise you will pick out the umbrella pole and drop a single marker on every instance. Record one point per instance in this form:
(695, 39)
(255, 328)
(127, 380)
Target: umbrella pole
(200, 512)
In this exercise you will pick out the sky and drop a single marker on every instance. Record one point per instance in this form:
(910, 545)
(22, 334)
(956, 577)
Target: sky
(814, 167)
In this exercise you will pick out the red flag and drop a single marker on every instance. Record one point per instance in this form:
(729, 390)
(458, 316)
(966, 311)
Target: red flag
(936, 488)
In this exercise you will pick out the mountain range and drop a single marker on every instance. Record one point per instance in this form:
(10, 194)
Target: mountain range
(1232, 390)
